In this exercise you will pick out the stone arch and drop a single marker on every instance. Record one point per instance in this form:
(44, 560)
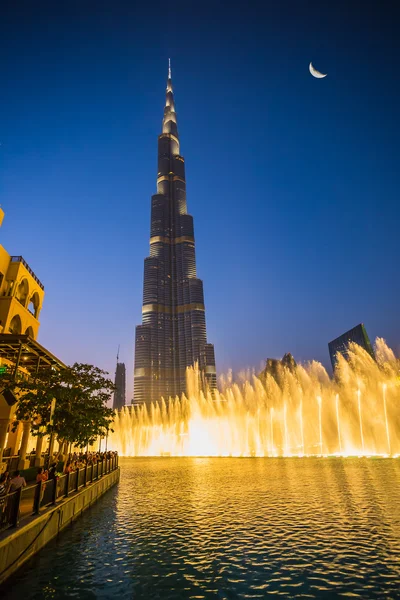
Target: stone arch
(22, 292)
(9, 287)
(29, 331)
(33, 305)
(15, 325)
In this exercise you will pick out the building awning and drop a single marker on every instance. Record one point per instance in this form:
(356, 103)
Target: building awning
(23, 351)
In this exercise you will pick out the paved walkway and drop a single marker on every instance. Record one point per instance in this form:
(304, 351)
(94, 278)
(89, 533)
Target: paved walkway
(27, 500)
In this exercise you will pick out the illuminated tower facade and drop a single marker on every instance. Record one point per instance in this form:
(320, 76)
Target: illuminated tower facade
(173, 331)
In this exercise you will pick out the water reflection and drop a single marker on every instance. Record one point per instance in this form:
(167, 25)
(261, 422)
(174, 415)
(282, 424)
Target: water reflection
(180, 528)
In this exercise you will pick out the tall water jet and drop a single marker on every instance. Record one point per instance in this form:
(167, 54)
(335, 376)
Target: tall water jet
(301, 427)
(360, 419)
(319, 400)
(258, 438)
(274, 416)
(386, 418)
(272, 430)
(338, 422)
(287, 449)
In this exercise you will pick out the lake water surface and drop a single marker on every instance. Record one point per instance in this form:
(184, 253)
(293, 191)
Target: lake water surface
(225, 528)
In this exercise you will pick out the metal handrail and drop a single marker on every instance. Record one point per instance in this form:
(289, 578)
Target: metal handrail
(27, 267)
(12, 511)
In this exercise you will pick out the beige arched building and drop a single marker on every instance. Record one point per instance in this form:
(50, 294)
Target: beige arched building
(21, 296)
(21, 300)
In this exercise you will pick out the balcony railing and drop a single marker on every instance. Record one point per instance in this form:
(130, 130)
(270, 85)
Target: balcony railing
(27, 267)
(24, 502)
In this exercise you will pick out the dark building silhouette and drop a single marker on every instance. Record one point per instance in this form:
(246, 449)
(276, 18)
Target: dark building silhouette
(173, 331)
(120, 384)
(340, 345)
(275, 367)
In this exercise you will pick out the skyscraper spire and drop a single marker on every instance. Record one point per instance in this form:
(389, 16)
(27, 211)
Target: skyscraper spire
(172, 336)
(169, 120)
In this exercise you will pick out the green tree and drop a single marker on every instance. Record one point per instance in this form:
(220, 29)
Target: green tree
(35, 396)
(81, 393)
(82, 413)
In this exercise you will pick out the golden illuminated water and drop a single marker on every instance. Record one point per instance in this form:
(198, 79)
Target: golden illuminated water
(309, 413)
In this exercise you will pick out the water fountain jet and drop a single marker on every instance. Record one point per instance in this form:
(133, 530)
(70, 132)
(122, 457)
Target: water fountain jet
(360, 418)
(338, 422)
(301, 427)
(274, 416)
(319, 399)
(287, 449)
(384, 387)
(272, 431)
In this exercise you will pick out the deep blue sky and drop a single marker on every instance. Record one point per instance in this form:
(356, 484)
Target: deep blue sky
(293, 182)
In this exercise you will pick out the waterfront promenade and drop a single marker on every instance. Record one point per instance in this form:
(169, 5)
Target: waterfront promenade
(31, 500)
(33, 515)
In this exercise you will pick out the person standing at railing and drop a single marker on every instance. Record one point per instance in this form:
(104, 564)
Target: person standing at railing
(52, 471)
(17, 482)
(42, 476)
(4, 483)
(53, 476)
(4, 488)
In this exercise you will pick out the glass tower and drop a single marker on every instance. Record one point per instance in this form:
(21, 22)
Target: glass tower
(120, 386)
(173, 331)
(340, 345)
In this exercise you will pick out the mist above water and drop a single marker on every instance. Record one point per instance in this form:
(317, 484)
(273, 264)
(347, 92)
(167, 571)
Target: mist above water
(302, 412)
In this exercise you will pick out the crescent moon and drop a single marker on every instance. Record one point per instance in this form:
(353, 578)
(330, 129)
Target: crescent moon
(316, 73)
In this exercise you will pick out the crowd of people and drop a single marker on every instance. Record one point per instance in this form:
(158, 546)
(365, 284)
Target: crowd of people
(79, 460)
(75, 460)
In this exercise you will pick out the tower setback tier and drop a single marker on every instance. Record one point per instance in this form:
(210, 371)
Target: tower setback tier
(172, 336)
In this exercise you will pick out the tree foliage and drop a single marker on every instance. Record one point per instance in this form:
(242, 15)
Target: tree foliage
(81, 393)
